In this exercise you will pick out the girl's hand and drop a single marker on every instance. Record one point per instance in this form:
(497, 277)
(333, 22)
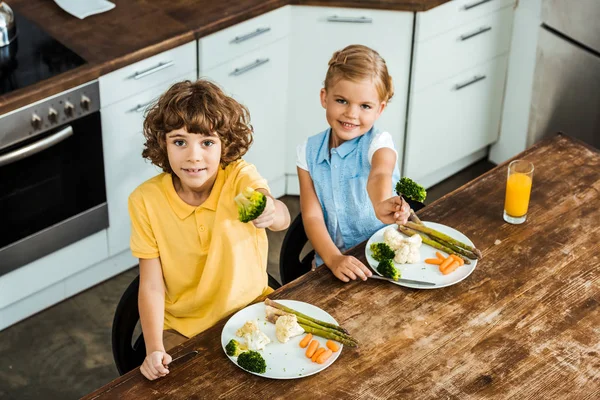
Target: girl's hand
(393, 210)
(267, 217)
(154, 366)
(348, 267)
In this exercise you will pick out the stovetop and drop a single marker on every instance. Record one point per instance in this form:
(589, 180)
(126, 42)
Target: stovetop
(33, 57)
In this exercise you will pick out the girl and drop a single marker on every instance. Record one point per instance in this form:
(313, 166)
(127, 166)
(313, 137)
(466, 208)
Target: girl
(198, 262)
(347, 172)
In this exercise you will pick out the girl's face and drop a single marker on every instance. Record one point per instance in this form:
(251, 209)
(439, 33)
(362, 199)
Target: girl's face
(194, 158)
(351, 108)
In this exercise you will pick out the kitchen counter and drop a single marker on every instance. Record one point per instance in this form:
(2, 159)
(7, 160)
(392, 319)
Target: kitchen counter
(138, 29)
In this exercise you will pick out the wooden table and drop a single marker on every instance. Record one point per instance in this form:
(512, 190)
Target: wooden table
(524, 324)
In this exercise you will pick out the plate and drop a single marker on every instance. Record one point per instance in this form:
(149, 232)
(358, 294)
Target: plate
(284, 360)
(421, 271)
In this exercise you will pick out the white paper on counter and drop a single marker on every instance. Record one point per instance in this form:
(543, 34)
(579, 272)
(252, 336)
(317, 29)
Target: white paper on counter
(85, 8)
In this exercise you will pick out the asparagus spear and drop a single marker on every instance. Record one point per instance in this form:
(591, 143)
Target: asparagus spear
(274, 304)
(439, 235)
(431, 242)
(457, 249)
(414, 218)
(328, 335)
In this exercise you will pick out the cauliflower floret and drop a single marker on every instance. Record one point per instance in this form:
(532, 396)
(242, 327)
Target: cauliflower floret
(413, 257)
(287, 327)
(254, 338)
(249, 327)
(393, 238)
(406, 249)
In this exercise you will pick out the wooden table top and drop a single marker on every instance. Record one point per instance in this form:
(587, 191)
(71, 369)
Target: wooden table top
(524, 324)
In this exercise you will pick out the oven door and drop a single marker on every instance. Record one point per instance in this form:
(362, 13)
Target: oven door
(52, 192)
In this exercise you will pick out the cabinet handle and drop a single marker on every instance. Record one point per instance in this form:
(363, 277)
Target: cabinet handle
(259, 31)
(354, 20)
(475, 79)
(36, 147)
(140, 107)
(242, 70)
(481, 30)
(473, 5)
(150, 71)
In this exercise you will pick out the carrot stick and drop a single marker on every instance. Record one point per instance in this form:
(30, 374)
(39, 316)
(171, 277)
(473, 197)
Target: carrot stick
(451, 268)
(461, 262)
(312, 347)
(439, 255)
(319, 351)
(446, 262)
(333, 345)
(306, 340)
(324, 356)
(435, 261)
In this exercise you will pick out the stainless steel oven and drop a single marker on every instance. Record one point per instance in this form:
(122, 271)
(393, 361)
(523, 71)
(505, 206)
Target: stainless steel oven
(52, 188)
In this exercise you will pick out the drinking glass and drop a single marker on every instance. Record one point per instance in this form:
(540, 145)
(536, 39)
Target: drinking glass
(518, 190)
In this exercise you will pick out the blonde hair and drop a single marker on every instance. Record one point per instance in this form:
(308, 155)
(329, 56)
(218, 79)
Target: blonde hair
(357, 62)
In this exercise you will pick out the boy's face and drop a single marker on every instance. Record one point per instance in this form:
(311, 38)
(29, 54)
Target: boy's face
(194, 158)
(351, 108)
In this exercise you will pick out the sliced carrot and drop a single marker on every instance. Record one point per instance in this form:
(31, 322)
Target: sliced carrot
(451, 268)
(312, 347)
(444, 264)
(459, 259)
(439, 255)
(435, 261)
(315, 356)
(324, 356)
(306, 340)
(333, 345)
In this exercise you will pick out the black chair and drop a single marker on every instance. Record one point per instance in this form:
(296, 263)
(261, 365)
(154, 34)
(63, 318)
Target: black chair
(292, 264)
(129, 352)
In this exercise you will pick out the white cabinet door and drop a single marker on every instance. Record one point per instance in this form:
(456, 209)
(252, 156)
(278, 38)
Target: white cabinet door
(258, 80)
(317, 32)
(124, 167)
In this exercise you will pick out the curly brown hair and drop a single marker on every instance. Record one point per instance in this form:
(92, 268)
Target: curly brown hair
(199, 107)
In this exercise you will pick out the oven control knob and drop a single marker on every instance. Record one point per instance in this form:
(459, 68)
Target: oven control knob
(36, 121)
(69, 109)
(52, 115)
(85, 102)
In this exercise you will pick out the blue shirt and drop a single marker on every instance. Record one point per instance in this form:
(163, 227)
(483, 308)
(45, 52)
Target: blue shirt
(340, 179)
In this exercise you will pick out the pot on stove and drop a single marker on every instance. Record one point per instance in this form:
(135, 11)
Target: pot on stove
(8, 35)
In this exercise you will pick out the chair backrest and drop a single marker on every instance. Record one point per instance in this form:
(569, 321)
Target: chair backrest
(127, 355)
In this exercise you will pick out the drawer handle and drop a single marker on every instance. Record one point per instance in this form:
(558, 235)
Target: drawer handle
(475, 79)
(150, 71)
(259, 31)
(242, 70)
(481, 30)
(354, 20)
(476, 4)
(140, 107)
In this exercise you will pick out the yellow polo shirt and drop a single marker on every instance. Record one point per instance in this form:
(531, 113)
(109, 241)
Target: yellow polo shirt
(212, 263)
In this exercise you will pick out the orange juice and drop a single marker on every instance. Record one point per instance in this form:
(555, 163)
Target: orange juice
(518, 189)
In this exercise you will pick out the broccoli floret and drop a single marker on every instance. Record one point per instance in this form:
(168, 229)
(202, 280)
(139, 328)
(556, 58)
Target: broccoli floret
(250, 203)
(252, 361)
(411, 190)
(234, 348)
(382, 251)
(388, 269)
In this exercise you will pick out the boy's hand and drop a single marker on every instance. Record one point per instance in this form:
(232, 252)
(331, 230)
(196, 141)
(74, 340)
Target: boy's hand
(393, 211)
(267, 217)
(348, 267)
(154, 366)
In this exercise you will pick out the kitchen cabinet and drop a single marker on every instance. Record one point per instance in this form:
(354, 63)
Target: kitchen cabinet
(317, 32)
(122, 137)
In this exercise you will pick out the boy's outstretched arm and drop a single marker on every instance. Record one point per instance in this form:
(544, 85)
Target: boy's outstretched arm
(151, 304)
(388, 208)
(276, 215)
(343, 267)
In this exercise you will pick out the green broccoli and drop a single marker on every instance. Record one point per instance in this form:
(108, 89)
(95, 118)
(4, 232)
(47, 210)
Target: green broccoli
(388, 269)
(411, 190)
(250, 204)
(234, 348)
(252, 361)
(382, 251)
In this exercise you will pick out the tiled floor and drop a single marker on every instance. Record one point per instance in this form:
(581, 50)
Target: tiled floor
(65, 351)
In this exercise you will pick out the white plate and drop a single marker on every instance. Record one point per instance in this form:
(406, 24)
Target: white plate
(421, 271)
(284, 360)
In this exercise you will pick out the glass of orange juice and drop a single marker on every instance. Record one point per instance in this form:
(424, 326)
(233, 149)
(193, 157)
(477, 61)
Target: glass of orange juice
(518, 190)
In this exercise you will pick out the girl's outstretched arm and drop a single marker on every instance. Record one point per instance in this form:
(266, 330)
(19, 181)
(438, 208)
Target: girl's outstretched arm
(276, 215)
(388, 208)
(343, 267)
